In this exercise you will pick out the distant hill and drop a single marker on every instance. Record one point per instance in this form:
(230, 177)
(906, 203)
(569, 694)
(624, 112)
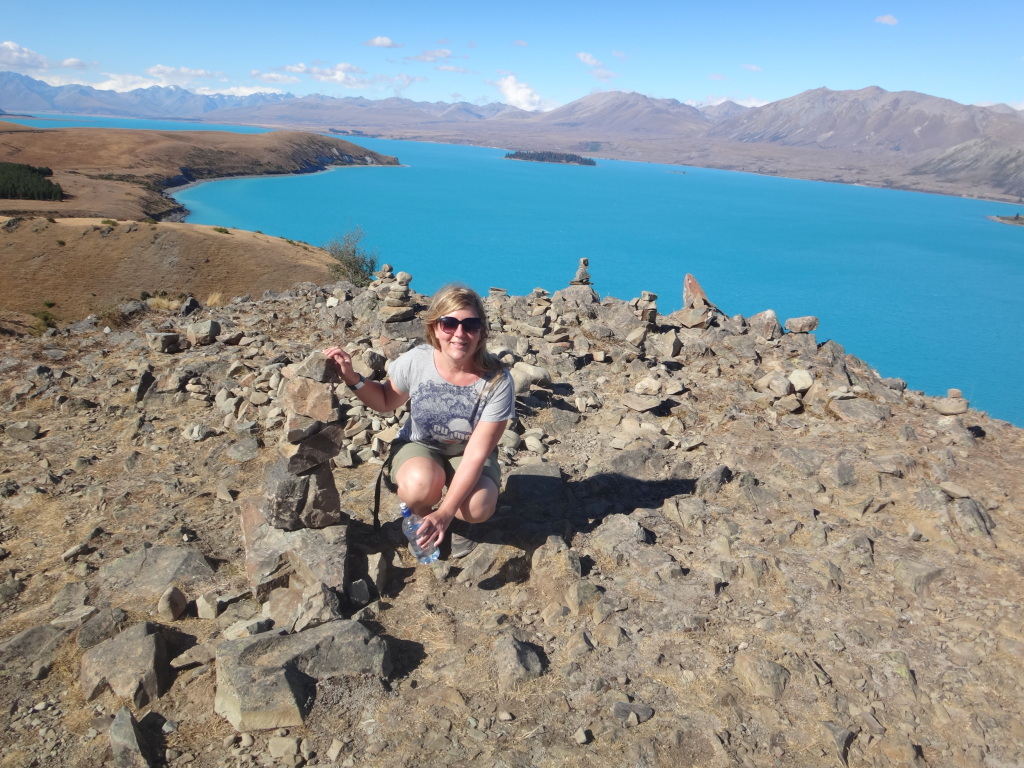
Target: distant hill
(871, 120)
(24, 94)
(719, 112)
(867, 136)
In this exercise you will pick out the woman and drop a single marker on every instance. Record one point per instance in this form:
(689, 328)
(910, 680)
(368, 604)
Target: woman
(461, 399)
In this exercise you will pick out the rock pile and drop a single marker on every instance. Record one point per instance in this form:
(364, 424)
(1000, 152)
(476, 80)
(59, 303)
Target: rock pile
(720, 541)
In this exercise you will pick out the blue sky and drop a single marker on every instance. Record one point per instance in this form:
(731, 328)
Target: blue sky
(534, 55)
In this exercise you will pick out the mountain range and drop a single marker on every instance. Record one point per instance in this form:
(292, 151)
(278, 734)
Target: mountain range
(868, 136)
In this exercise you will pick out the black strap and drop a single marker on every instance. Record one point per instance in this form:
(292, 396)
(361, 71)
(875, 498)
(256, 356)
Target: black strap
(385, 467)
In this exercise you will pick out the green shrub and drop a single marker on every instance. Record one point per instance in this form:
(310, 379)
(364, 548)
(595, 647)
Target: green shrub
(109, 222)
(222, 230)
(45, 319)
(352, 262)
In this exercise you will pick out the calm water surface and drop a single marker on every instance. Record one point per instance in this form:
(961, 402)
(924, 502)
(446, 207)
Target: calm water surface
(923, 287)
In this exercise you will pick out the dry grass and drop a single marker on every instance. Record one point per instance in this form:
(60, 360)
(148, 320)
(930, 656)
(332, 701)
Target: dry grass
(93, 273)
(163, 303)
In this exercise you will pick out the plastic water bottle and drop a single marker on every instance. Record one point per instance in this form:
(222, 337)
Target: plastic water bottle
(410, 526)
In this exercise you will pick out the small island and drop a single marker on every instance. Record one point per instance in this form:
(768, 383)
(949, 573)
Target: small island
(565, 158)
(1017, 219)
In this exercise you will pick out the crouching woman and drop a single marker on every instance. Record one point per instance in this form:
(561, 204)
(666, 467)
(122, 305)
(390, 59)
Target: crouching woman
(460, 402)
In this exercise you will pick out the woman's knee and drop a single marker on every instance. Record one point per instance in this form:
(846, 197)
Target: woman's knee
(420, 480)
(481, 504)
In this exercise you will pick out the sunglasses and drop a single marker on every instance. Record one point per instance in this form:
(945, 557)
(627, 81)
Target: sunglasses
(469, 324)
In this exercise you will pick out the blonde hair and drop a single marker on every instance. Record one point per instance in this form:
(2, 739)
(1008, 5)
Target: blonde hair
(452, 298)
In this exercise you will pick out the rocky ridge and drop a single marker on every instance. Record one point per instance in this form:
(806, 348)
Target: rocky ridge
(720, 541)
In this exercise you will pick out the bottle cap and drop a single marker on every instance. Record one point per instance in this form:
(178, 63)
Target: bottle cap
(404, 510)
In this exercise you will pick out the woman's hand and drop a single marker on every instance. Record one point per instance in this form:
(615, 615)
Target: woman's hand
(343, 360)
(432, 529)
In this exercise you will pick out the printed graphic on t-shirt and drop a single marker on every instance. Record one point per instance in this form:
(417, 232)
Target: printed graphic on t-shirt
(442, 411)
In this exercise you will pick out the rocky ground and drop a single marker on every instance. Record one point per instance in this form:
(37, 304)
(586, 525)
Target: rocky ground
(719, 543)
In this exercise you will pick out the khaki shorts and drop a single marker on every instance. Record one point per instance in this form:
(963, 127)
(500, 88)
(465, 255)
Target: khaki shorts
(402, 451)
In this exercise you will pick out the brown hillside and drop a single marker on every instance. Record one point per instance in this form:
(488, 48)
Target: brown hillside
(100, 265)
(121, 173)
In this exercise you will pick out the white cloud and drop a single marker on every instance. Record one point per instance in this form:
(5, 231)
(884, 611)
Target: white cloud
(342, 73)
(20, 59)
(518, 94)
(399, 83)
(717, 77)
(382, 42)
(237, 90)
(888, 19)
(431, 56)
(273, 77)
(712, 101)
(753, 67)
(597, 68)
(116, 82)
(451, 68)
(177, 75)
(521, 43)
(74, 64)
(619, 55)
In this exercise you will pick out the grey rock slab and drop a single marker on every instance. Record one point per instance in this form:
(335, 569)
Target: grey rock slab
(760, 676)
(146, 573)
(33, 646)
(243, 450)
(264, 682)
(478, 563)
(859, 411)
(918, 577)
(129, 748)
(314, 555)
(133, 663)
(622, 710)
(804, 324)
(318, 367)
(105, 624)
(516, 662)
(538, 486)
(24, 431)
(971, 517)
(316, 449)
(765, 324)
(203, 333)
(712, 481)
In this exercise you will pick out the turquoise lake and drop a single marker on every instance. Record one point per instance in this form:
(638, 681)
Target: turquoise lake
(922, 287)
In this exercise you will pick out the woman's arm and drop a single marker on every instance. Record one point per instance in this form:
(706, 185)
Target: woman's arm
(379, 395)
(482, 443)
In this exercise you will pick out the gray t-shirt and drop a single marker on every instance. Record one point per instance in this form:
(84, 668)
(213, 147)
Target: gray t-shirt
(442, 415)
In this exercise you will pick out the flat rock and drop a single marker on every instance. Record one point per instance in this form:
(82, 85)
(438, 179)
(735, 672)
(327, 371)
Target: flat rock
(146, 573)
(262, 681)
(133, 663)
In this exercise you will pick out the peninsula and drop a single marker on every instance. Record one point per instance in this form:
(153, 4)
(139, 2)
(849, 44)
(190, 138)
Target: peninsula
(123, 174)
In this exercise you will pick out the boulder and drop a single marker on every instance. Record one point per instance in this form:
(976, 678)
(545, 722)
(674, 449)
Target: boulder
(263, 682)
